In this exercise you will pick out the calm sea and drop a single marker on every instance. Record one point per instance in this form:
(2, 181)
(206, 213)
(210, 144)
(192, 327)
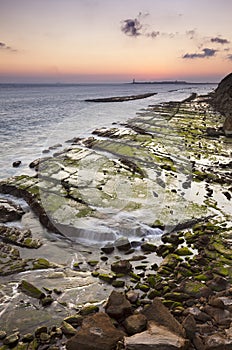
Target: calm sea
(35, 117)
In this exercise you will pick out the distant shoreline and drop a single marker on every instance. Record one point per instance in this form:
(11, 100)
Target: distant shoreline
(171, 82)
(174, 82)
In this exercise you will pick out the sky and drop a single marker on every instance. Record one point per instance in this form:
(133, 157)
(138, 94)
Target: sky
(83, 41)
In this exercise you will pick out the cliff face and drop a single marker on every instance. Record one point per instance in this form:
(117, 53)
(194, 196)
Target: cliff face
(222, 101)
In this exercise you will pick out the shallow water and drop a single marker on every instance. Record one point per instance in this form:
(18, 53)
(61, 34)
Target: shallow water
(35, 117)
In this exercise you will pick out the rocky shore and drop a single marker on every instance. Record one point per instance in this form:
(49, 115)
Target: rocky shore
(171, 168)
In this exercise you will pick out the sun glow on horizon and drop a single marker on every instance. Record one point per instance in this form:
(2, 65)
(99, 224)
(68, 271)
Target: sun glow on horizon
(76, 41)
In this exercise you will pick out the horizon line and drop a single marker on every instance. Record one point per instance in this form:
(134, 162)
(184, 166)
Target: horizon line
(133, 82)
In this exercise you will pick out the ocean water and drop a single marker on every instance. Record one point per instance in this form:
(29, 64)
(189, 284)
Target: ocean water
(35, 117)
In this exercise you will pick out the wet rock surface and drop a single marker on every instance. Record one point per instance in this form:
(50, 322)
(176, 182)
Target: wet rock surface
(121, 98)
(174, 293)
(9, 211)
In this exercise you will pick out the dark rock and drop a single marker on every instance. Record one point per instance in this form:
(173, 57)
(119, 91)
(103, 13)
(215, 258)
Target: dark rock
(189, 325)
(133, 167)
(11, 340)
(218, 342)
(197, 314)
(57, 145)
(195, 289)
(161, 315)
(118, 284)
(135, 324)
(97, 333)
(219, 315)
(227, 195)
(156, 337)
(212, 132)
(121, 266)
(30, 290)
(148, 247)
(218, 284)
(108, 248)
(35, 164)
(17, 163)
(198, 343)
(222, 100)
(122, 243)
(121, 98)
(9, 211)
(118, 306)
(46, 301)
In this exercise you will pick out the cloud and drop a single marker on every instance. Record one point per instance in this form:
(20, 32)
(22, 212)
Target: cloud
(136, 27)
(219, 41)
(153, 34)
(131, 27)
(3, 46)
(206, 53)
(191, 33)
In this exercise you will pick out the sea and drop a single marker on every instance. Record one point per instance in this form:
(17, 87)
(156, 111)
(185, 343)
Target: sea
(34, 117)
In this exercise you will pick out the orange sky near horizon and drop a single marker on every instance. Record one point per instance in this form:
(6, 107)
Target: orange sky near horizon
(73, 41)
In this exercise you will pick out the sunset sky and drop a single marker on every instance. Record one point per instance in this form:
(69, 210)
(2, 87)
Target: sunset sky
(75, 41)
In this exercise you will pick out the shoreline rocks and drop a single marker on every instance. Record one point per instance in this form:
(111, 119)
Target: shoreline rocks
(182, 303)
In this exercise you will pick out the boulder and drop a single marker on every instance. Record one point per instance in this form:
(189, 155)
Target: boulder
(218, 284)
(31, 290)
(9, 211)
(97, 333)
(108, 248)
(118, 306)
(218, 342)
(219, 315)
(122, 243)
(189, 325)
(158, 313)
(132, 296)
(135, 324)
(16, 164)
(121, 266)
(156, 337)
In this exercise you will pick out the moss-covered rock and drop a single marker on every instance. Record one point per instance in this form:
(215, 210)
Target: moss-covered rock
(31, 290)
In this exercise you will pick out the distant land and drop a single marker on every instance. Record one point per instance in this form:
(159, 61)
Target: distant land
(181, 82)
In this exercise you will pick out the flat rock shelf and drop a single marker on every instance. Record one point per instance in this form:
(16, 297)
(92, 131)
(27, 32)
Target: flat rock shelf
(121, 98)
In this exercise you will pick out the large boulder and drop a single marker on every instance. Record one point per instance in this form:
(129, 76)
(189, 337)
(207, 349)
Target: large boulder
(97, 333)
(135, 323)
(222, 100)
(118, 306)
(156, 337)
(158, 313)
(121, 266)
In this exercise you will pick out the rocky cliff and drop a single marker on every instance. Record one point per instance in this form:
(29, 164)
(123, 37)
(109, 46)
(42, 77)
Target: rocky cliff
(222, 101)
